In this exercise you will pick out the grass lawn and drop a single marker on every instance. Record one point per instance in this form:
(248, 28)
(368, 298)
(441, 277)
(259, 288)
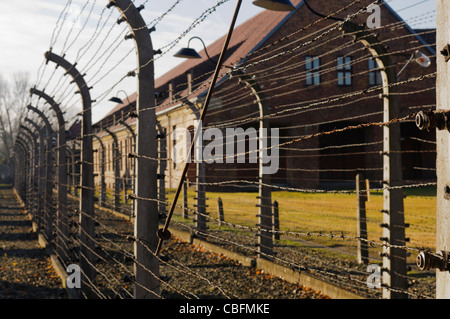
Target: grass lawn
(327, 212)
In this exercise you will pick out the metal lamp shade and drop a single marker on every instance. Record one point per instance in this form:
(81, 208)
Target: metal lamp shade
(275, 5)
(116, 99)
(187, 53)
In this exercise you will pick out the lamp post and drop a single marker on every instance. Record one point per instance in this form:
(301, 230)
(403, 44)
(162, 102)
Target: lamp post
(420, 58)
(277, 5)
(190, 53)
(119, 100)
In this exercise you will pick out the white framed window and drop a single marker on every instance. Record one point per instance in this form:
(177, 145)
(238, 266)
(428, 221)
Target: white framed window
(344, 68)
(374, 75)
(312, 67)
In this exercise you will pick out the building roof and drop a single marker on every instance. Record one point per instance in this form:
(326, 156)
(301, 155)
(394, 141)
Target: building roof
(247, 37)
(74, 129)
(128, 100)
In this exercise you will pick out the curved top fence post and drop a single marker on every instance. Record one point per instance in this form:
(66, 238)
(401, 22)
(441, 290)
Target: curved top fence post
(394, 259)
(48, 207)
(62, 173)
(87, 223)
(146, 211)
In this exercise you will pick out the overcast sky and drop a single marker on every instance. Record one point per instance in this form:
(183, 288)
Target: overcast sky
(28, 28)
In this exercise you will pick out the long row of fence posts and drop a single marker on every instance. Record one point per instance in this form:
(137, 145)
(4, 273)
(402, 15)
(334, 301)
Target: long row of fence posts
(275, 217)
(35, 179)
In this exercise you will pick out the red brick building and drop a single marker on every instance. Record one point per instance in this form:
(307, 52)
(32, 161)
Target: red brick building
(313, 79)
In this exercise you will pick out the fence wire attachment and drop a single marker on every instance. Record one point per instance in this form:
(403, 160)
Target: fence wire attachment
(439, 260)
(164, 234)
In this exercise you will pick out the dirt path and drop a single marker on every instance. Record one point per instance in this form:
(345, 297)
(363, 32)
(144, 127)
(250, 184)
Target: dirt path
(25, 268)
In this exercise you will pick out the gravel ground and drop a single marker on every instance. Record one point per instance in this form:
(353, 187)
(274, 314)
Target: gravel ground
(26, 271)
(344, 273)
(186, 271)
(219, 277)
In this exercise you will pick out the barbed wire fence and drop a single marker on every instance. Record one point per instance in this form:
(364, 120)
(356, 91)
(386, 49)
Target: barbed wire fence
(310, 203)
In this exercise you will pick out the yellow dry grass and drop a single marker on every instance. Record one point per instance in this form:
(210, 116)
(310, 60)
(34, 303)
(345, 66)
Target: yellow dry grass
(326, 213)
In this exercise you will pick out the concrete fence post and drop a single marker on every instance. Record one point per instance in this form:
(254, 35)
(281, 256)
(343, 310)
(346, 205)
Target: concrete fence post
(102, 172)
(265, 214)
(87, 214)
(162, 164)
(61, 213)
(147, 283)
(39, 154)
(49, 208)
(394, 258)
(132, 167)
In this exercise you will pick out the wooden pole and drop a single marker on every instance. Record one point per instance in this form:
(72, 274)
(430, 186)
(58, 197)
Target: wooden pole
(185, 199)
(220, 214)
(361, 225)
(276, 221)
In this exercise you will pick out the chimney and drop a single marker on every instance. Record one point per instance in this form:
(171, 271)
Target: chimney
(171, 92)
(189, 81)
